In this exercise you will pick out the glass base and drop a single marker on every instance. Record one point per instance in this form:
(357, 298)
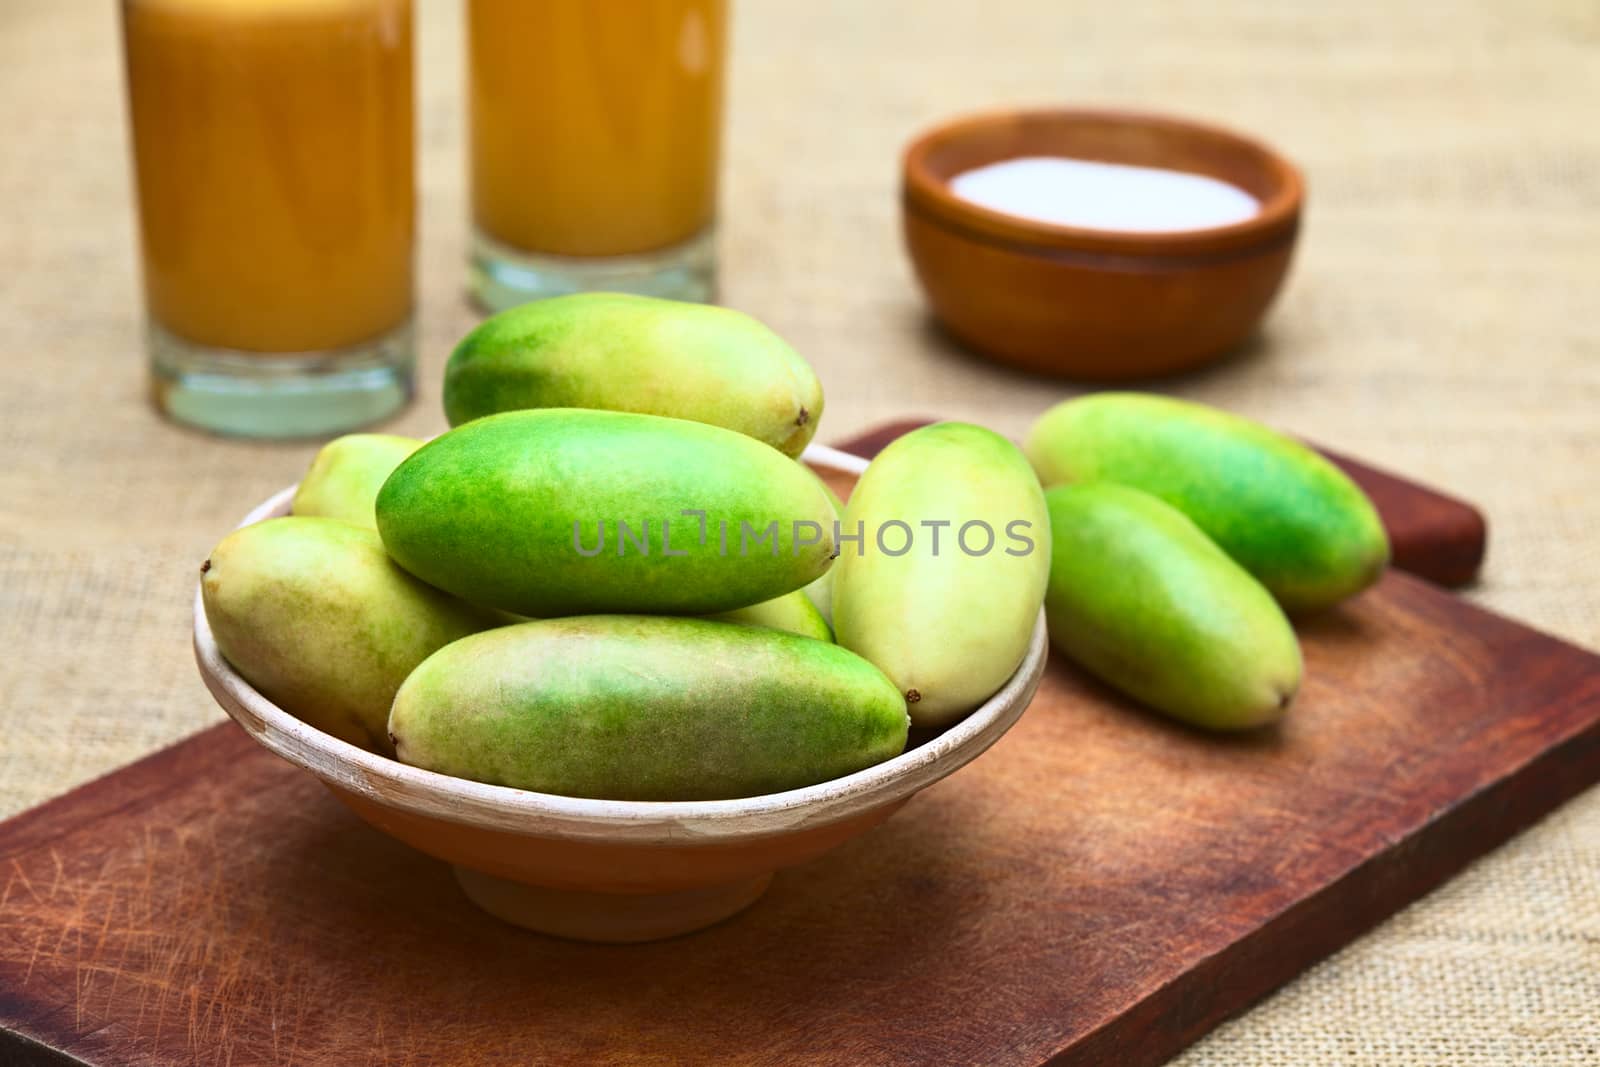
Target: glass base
(305, 394)
(503, 277)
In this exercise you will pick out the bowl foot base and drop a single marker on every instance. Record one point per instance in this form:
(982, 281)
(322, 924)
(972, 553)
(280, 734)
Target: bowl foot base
(613, 917)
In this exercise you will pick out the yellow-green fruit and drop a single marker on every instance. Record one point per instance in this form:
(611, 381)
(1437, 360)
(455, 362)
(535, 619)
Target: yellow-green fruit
(347, 473)
(943, 589)
(566, 512)
(1147, 602)
(315, 616)
(633, 707)
(1287, 515)
(635, 353)
(821, 591)
(793, 612)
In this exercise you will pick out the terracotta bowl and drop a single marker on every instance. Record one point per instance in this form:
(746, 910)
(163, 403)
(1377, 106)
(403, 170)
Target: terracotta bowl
(1096, 304)
(605, 870)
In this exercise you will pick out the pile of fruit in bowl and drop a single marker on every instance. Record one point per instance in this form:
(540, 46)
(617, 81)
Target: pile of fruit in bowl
(613, 602)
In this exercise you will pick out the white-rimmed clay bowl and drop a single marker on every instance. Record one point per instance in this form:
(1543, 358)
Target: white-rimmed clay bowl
(604, 870)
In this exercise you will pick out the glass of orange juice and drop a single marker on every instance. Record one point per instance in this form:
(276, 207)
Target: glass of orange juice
(595, 132)
(274, 165)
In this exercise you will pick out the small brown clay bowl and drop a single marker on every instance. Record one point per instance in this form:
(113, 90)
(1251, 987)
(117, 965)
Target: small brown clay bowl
(1096, 304)
(604, 870)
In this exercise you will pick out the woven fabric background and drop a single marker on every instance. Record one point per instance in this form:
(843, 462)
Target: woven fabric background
(1443, 320)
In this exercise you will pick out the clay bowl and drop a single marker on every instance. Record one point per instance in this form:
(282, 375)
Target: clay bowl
(604, 870)
(1096, 304)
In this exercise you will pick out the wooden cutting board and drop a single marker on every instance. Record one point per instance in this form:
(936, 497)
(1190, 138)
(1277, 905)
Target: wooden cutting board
(1102, 887)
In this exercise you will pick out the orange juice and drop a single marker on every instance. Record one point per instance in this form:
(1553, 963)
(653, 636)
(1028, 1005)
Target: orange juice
(274, 163)
(595, 126)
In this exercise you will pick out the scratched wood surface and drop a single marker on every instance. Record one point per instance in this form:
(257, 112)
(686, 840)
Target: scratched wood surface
(1102, 887)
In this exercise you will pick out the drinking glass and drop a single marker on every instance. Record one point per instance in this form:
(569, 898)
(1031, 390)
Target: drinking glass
(595, 133)
(273, 159)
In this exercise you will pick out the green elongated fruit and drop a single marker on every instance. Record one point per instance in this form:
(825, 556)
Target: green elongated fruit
(792, 612)
(950, 617)
(1144, 600)
(1287, 515)
(563, 512)
(820, 591)
(314, 614)
(347, 473)
(631, 707)
(619, 352)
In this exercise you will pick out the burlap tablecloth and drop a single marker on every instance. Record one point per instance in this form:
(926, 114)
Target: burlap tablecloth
(1441, 320)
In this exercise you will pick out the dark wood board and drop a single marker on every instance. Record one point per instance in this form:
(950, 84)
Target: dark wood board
(1102, 887)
